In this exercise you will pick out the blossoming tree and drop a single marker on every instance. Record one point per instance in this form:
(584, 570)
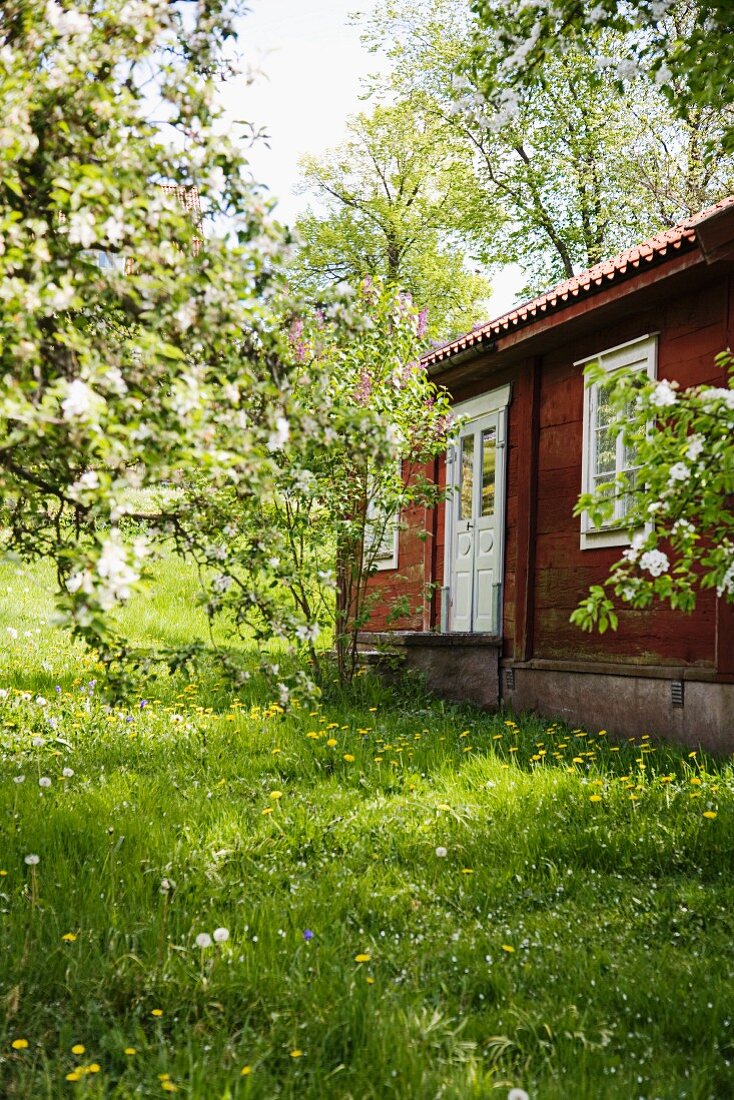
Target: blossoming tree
(122, 340)
(694, 70)
(680, 513)
(296, 561)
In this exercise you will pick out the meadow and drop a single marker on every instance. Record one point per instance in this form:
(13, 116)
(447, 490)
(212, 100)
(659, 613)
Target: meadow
(375, 896)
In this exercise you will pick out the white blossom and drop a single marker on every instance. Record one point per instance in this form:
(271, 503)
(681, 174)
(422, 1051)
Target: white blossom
(79, 400)
(663, 395)
(654, 562)
(68, 23)
(81, 228)
(280, 436)
(695, 447)
(663, 74)
(679, 471)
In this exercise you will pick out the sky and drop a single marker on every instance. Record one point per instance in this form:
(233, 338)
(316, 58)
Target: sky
(310, 63)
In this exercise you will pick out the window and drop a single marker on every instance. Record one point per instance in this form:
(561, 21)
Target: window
(605, 455)
(386, 531)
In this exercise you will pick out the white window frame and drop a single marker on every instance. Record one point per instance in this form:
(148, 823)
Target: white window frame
(386, 556)
(639, 354)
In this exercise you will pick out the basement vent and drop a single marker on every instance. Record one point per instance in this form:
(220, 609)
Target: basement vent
(676, 693)
(510, 679)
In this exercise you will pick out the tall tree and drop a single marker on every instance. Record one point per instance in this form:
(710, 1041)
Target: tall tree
(695, 69)
(397, 201)
(123, 342)
(580, 163)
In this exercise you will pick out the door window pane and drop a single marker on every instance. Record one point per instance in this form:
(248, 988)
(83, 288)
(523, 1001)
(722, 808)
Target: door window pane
(489, 465)
(466, 489)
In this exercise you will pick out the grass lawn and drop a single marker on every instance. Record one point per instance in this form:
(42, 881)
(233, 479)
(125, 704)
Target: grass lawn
(420, 901)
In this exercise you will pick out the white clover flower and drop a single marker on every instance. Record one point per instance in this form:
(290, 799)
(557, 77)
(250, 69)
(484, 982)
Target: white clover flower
(221, 935)
(203, 940)
(67, 773)
(654, 562)
(679, 471)
(44, 781)
(441, 852)
(12, 632)
(663, 395)
(32, 860)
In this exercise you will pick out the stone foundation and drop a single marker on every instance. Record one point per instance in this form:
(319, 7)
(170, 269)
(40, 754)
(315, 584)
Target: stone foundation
(460, 667)
(629, 703)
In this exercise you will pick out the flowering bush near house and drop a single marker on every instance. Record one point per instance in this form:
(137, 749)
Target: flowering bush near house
(680, 516)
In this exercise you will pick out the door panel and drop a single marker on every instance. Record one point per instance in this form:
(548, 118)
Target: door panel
(477, 469)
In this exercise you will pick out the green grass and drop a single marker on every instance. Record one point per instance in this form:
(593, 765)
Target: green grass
(572, 947)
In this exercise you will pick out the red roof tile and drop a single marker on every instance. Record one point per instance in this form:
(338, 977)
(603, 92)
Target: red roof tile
(662, 246)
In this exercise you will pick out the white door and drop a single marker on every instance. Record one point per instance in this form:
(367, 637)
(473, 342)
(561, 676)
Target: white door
(475, 528)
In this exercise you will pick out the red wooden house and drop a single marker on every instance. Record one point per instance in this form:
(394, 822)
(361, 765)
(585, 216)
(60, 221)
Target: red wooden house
(504, 561)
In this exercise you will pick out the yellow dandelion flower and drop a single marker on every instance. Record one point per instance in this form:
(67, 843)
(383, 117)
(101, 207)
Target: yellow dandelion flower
(94, 1067)
(443, 806)
(296, 1054)
(130, 1051)
(69, 937)
(362, 958)
(19, 1044)
(710, 814)
(595, 798)
(370, 981)
(348, 757)
(73, 1076)
(164, 1077)
(156, 1012)
(332, 742)
(168, 1086)
(245, 1071)
(3, 873)
(78, 1048)
(508, 948)
(275, 795)
(695, 781)
(268, 810)
(467, 870)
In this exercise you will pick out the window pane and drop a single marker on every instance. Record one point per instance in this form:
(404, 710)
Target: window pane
(466, 490)
(606, 452)
(489, 462)
(604, 409)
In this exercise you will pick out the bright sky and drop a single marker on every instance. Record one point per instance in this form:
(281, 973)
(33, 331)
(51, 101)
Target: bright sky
(312, 63)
